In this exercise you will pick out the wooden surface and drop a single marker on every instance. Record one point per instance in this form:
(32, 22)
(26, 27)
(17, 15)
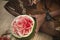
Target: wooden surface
(5, 23)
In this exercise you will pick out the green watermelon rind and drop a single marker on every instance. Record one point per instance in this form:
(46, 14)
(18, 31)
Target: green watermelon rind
(28, 37)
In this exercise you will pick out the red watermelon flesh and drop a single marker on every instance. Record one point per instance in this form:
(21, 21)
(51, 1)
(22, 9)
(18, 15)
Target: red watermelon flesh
(22, 25)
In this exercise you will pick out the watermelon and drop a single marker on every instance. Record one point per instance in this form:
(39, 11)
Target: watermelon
(23, 26)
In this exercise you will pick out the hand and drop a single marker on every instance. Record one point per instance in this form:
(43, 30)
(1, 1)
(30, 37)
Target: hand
(40, 20)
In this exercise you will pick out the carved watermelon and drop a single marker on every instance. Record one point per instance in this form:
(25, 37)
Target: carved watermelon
(23, 26)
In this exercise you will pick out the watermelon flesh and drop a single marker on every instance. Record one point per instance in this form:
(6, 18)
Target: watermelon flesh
(23, 25)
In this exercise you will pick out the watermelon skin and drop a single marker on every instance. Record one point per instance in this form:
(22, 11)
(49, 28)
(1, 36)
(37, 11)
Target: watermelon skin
(30, 36)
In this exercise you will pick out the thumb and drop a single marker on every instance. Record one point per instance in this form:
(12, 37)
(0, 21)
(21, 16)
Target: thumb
(40, 21)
